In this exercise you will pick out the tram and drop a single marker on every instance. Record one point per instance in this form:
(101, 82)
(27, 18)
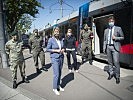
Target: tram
(122, 10)
(96, 14)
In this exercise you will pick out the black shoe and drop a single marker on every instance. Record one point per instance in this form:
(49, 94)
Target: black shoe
(14, 84)
(90, 62)
(110, 76)
(117, 80)
(44, 69)
(82, 62)
(38, 71)
(25, 80)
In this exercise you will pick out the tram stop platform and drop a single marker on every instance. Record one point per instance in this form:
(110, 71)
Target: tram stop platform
(90, 83)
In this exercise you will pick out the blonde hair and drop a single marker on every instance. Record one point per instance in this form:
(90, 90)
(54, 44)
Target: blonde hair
(55, 28)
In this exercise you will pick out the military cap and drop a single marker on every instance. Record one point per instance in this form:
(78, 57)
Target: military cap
(13, 33)
(86, 25)
(35, 30)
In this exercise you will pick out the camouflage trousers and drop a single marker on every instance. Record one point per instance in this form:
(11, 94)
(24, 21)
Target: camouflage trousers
(86, 51)
(14, 66)
(40, 55)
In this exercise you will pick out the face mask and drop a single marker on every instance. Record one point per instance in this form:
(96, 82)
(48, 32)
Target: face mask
(69, 34)
(56, 34)
(85, 28)
(36, 34)
(15, 38)
(111, 24)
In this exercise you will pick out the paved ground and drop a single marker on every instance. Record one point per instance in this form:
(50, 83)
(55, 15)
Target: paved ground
(89, 84)
(6, 93)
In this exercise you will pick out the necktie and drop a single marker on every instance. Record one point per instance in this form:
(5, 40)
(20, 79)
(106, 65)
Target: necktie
(110, 35)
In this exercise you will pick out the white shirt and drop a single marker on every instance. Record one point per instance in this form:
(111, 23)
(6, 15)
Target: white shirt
(111, 36)
(59, 43)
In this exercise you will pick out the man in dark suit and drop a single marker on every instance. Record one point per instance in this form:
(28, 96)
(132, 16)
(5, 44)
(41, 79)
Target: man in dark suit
(112, 38)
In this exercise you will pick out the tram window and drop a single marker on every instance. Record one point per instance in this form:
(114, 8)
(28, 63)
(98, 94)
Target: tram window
(123, 19)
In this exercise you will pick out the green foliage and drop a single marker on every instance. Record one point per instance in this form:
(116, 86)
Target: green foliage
(24, 24)
(15, 9)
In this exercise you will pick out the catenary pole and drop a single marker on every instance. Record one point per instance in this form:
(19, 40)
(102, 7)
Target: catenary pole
(3, 56)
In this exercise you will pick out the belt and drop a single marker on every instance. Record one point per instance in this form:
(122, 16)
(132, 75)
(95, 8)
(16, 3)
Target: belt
(110, 44)
(73, 49)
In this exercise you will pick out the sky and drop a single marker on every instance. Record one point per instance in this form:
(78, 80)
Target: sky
(46, 16)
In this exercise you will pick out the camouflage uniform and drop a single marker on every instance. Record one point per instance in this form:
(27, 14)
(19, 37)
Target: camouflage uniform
(14, 49)
(36, 43)
(86, 45)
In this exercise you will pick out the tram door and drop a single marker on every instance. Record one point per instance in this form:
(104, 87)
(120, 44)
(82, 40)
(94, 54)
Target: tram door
(99, 25)
(95, 41)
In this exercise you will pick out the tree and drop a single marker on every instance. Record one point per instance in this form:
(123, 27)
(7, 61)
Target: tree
(15, 9)
(24, 23)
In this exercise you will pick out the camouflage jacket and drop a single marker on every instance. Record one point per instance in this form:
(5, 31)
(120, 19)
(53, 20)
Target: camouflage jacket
(14, 49)
(85, 36)
(36, 43)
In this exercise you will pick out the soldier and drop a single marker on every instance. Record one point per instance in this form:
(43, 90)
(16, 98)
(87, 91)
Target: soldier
(86, 37)
(36, 43)
(14, 49)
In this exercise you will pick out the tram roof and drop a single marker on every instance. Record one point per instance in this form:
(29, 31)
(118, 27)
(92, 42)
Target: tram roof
(102, 3)
(66, 18)
(70, 16)
(95, 5)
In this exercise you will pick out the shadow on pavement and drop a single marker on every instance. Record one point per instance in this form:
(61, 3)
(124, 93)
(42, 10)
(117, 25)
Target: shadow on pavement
(130, 88)
(106, 68)
(27, 57)
(21, 82)
(66, 79)
(47, 66)
(32, 76)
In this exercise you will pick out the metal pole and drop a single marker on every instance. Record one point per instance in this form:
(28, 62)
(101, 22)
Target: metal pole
(4, 62)
(61, 1)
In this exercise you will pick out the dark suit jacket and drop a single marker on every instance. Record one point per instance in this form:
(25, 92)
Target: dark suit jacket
(119, 36)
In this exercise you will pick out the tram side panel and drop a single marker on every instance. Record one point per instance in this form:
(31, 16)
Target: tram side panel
(123, 19)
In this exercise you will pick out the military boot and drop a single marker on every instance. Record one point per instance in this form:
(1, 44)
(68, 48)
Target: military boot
(90, 61)
(117, 80)
(25, 80)
(44, 69)
(38, 71)
(14, 84)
